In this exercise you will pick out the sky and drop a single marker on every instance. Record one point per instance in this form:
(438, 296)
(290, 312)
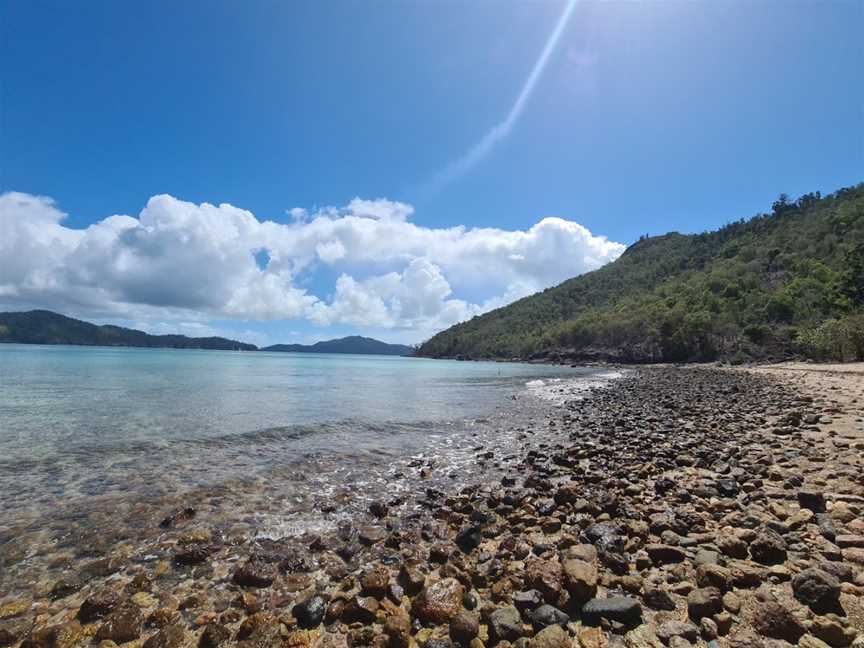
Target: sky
(296, 171)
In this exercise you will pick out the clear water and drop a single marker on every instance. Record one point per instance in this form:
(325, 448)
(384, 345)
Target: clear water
(91, 439)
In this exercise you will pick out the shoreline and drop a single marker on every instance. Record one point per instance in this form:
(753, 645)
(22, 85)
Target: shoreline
(678, 491)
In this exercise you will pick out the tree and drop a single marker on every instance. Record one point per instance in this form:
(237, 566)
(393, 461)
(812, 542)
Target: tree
(852, 281)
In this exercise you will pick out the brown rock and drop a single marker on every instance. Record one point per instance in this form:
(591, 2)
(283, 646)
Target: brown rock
(255, 573)
(768, 547)
(14, 608)
(464, 627)
(360, 608)
(704, 602)
(553, 636)
(12, 630)
(123, 624)
(170, 637)
(580, 579)
(98, 605)
(214, 636)
(545, 576)
(374, 581)
(816, 588)
(771, 619)
(439, 602)
(397, 627)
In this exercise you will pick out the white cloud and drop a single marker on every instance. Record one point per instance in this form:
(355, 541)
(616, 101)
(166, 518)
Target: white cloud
(179, 262)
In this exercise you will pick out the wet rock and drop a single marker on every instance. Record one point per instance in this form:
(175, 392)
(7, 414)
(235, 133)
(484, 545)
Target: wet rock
(362, 609)
(98, 605)
(505, 624)
(768, 547)
(215, 635)
(623, 609)
(568, 494)
(256, 625)
(64, 587)
(375, 581)
(439, 602)
(771, 619)
(310, 613)
(123, 624)
(69, 634)
(411, 580)
(371, 535)
(816, 588)
(171, 637)
(378, 509)
(178, 517)
(12, 630)
(192, 554)
(469, 538)
(14, 608)
(397, 627)
(255, 573)
(464, 627)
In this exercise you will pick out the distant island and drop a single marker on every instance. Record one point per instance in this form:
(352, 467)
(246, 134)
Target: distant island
(47, 327)
(350, 344)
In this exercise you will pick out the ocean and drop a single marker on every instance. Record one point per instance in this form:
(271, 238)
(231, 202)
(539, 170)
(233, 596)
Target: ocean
(96, 443)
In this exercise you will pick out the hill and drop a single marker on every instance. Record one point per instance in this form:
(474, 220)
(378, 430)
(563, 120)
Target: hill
(350, 344)
(786, 283)
(45, 327)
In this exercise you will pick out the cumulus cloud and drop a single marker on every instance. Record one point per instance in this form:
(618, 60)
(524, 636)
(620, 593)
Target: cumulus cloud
(180, 261)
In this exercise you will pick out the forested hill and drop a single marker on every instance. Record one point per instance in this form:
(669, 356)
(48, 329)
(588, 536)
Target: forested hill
(350, 344)
(786, 283)
(45, 327)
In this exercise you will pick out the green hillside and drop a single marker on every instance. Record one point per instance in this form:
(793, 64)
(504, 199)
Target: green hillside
(45, 327)
(782, 284)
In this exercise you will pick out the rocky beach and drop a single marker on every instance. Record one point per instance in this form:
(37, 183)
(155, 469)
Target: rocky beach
(712, 507)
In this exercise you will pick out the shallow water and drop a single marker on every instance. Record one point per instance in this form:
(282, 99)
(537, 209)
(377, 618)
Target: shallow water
(95, 442)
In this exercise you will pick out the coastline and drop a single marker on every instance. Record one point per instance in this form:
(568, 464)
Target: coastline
(718, 495)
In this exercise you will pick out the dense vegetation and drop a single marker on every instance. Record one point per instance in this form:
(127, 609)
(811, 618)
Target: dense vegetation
(350, 344)
(787, 283)
(45, 327)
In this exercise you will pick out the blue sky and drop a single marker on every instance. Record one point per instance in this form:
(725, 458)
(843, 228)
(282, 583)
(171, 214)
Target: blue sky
(647, 117)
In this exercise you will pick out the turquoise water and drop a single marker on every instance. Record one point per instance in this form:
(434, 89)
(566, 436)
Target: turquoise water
(97, 444)
(64, 399)
(76, 420)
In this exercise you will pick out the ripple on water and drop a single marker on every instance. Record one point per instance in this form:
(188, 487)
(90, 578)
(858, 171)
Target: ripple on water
(270, 484)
